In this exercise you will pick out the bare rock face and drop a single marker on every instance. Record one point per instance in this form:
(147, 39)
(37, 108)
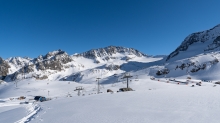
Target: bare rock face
(215, 44)
(128, 58)
(41, 78)
(14, 76)
(52, 65)
(27, 69)
(52, 60)
(3, 68)
(112, 67)
(107, 52)
(162, 72)
(21, 72)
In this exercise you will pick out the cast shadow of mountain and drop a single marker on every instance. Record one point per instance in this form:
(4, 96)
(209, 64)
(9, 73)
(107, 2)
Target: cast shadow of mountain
(135, 66)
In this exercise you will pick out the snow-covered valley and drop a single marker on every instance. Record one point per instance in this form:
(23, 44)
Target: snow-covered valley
(152, 101)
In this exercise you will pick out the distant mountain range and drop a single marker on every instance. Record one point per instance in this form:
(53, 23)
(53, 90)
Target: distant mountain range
(16, 68)
(197, 56)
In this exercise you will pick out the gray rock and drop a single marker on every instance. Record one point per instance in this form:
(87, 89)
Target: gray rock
(3, 68)
(107, 52)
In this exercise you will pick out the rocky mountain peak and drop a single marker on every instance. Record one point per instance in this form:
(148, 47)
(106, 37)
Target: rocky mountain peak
(19, 60)
(53, 54)
(52, 60)
(205, 41)
(110, 51)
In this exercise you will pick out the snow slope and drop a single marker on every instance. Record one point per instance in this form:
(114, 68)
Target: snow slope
(204, 66)
(155, 106)
(166, 88)
(196, 43)
(152, 101)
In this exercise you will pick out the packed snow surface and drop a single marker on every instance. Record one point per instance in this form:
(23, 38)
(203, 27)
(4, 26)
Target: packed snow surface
(153, 101)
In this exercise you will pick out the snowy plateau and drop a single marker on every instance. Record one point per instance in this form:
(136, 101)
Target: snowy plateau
(181, 87)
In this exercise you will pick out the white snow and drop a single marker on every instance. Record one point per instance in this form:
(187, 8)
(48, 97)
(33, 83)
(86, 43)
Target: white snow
(152, 101)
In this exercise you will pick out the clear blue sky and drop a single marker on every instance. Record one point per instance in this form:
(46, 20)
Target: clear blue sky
(35, 27)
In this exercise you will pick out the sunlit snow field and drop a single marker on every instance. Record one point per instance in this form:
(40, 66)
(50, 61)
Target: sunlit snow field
(152, 101)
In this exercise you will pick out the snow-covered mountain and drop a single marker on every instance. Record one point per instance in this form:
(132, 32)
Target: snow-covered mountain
(111, 52)
(58, 65)
(178, 75)
(197, 56)
(197, 43)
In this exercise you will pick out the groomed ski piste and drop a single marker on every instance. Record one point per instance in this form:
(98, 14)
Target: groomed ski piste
(153, 100)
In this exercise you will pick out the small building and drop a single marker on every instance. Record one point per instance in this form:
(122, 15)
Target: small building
(40, 98)
(125, 89)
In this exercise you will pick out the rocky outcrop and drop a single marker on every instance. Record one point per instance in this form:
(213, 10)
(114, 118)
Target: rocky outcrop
(52, 65)
(215, 44)
(162, 72)
(52, 60)
(41, 78)
(107, 52)
(27, 69)
(3, 68)
(112, 67)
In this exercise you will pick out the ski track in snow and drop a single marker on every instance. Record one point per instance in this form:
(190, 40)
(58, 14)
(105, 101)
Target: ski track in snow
(33, 109)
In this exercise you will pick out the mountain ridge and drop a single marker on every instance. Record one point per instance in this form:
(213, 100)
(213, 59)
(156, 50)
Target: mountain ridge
(206, 40)
(59, 60)
(198, 53)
